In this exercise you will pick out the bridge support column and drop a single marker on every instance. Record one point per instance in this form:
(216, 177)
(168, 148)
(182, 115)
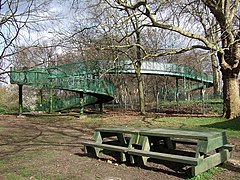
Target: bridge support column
(203, 90)
(81, 103)
(41, 97)
(177, 94)
(185, 88)
(20, 99)
(50, 100)
(101, 107)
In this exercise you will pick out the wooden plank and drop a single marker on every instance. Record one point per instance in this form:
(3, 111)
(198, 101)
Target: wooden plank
(106, 146)
(210, 162)
(229, 147)
(168, 157)
(97, 137)
(184, 141)
(121, 139)
(172, 133)
(118, 130)
(212, 144)
(98, 147)
(133, 140)
(91, 150)
(176, 133)
(100, 135)
(108, 134)
(145, 147)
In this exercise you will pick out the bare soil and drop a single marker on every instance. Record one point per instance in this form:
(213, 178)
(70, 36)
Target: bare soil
(49, 147)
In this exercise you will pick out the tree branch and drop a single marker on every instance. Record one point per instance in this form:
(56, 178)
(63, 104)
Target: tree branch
(155, 23)
(178, 51)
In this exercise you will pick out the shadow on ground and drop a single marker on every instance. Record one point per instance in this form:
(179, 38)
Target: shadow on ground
(233, 124)
(231, 167)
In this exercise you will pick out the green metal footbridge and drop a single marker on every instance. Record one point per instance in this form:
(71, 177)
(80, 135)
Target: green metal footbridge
(85, 78)
(164, 69)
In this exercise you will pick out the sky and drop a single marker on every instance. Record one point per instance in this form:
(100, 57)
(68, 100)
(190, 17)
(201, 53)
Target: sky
(62, 17)
(55, 17)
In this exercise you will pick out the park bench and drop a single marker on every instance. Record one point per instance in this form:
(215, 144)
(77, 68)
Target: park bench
(139, 144)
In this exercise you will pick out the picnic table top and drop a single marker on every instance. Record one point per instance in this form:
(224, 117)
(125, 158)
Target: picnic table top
(119, 129)
(173, 133)
(178, 133)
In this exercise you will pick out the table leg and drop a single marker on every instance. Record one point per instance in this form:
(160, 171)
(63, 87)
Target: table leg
(168, 143)
(93, 151)
(121, 139)
(210, 162)
(145, 146)
(97, 137)
(133, 140)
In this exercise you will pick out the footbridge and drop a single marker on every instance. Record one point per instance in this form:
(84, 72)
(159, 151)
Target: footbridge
(85, 78)
(160, 68)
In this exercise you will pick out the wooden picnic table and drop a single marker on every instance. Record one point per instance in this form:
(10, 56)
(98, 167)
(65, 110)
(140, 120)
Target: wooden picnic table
(209, 149)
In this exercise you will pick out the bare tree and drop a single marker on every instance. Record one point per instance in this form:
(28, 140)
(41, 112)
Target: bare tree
(117, 33)
(18, 21)
(43, 55)
(224, 12)
(211, 30)
(12, 20)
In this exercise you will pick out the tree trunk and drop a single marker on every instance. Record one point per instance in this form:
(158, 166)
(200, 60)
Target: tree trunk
(137, 66)
(230, 67)
(231, 107)
(216, 82)
(140, 91)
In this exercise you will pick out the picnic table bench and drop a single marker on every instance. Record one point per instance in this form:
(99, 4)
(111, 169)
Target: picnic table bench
(207, 149)
(113, 139)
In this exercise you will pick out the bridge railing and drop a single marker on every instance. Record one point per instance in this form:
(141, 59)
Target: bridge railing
(154, 67)
(29, 77)
(64, 102)
(87, 85)
(74, 83)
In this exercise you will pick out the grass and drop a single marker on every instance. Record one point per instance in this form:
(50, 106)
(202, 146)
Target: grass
(26, 172)
(232, 127)
(18, 166)
(206, 175)
(194, 106)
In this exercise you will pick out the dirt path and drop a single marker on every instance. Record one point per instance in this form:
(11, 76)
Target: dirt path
(50, 148)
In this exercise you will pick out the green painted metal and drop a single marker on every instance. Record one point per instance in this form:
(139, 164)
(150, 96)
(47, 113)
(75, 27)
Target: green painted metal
(65, 103)
(167, 69)
(81, 103)
(185, 88)
(84, 77)
(101, 107)
(50, 100)
(67, 77)
(20, 101)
